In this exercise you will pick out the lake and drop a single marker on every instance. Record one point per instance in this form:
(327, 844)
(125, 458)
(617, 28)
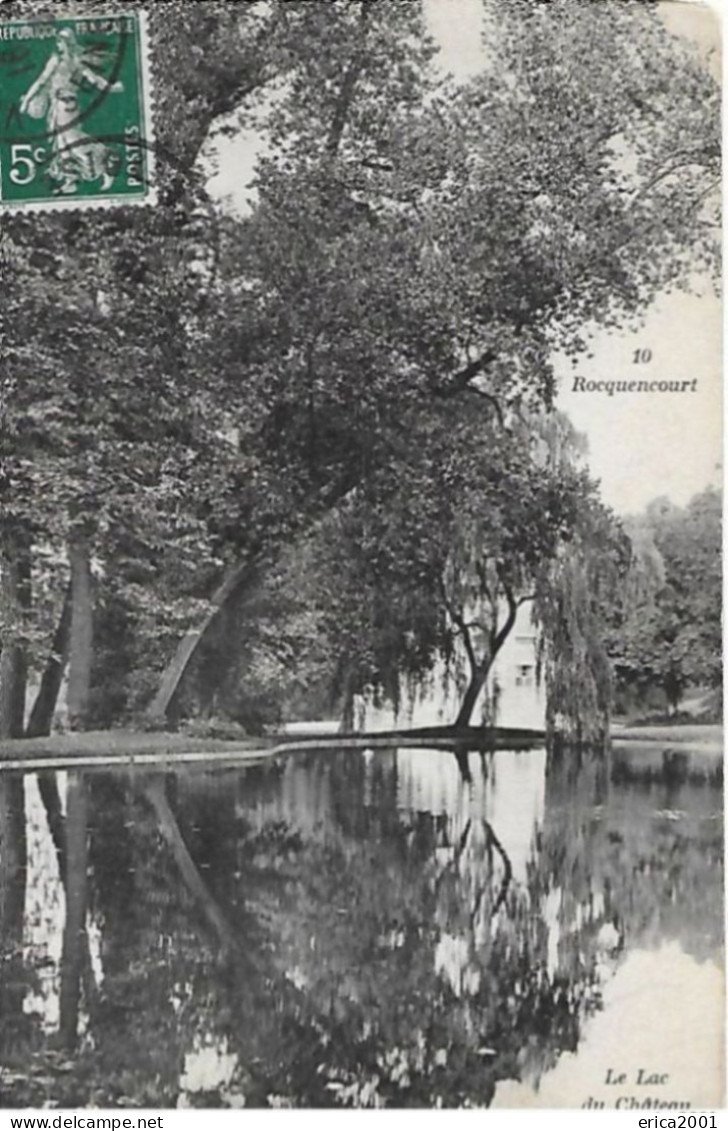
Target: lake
(350, 928)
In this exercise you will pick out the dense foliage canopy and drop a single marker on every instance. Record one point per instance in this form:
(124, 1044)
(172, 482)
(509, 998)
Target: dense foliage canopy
(188, 391)
(669, 635)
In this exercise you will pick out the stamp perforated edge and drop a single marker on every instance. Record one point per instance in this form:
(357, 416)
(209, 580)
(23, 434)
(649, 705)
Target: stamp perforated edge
(111, 201)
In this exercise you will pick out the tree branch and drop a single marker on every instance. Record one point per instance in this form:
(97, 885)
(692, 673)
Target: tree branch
(661, 176)
(475, 624)
(488, 397)
(463, 629)
(510, 620)
(507, 868)
(348, 86)
(483, 579)
(461, 380)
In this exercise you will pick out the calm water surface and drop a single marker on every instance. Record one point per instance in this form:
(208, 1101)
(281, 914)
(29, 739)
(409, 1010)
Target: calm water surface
(361, 929)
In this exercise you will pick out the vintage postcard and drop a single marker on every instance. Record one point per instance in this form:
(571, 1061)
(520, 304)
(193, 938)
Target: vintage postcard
(360, 557)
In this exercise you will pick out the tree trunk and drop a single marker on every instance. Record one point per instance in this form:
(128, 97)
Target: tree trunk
(175, 670)
(481, 671)
(13, 856)
(15, 597)
(476, 685)
(231, 585)
(74, 959)
(81, 630)
(13, 861)
(40, 724)
(348, 703)
(75, 942)
(15, 602)
(44, 707)
(478, 676)
(51, 798)
(157, 797)
(348, 87)
(673, 690)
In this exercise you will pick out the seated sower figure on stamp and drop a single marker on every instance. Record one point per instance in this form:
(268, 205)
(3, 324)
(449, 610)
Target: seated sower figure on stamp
(55, 96)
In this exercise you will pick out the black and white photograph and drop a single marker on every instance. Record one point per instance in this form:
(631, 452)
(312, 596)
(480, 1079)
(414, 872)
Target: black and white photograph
(361, 474)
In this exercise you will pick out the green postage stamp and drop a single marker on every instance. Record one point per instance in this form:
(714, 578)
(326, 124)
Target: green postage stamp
(75, 113)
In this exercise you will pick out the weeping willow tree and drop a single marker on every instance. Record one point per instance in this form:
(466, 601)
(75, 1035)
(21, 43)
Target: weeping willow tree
(418, 578)
(574, 609)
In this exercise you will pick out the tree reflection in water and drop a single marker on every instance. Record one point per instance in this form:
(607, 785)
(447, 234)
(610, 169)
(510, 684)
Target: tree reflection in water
(13, 863)
(315, 935)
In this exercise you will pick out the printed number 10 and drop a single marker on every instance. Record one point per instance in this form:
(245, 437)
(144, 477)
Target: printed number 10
(642, 356)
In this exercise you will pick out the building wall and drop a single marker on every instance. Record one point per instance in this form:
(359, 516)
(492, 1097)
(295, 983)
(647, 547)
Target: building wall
(520, 702)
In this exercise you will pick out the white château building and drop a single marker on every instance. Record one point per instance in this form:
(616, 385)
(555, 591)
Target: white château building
(512, 687)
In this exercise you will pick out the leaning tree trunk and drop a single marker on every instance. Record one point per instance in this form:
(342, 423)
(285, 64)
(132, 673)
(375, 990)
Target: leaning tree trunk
(157, 797)
(238, 579)
(470, 698)
(46, 700)
(174, 672)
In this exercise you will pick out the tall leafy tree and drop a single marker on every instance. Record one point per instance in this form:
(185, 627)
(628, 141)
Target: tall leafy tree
(670, 631)
(472, 225)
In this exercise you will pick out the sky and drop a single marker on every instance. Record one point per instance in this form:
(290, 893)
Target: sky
(641, 445)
